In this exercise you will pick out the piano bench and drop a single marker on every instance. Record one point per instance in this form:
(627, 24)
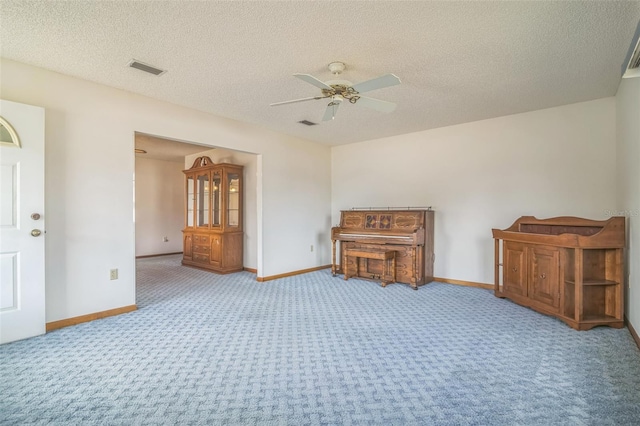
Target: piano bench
(388, 258)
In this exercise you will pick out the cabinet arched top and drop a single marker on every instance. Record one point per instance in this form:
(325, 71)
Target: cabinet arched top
(201, 162)
(205, 163)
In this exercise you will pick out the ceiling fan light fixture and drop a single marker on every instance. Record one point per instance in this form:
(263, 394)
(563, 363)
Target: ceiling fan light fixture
(339, 90)
(337, 67)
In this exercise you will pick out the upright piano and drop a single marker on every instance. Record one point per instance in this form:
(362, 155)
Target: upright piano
(407, 232)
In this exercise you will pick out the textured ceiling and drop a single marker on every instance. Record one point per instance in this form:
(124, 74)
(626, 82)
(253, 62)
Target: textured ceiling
(458, 61)
(165, 149)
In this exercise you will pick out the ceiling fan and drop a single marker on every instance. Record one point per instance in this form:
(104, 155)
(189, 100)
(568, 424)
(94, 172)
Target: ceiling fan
(340, 90)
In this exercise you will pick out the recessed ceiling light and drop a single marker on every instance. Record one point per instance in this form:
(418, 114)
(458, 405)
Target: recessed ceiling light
(140, 151)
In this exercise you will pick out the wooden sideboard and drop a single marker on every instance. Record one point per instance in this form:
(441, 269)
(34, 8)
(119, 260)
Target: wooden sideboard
(567, 267)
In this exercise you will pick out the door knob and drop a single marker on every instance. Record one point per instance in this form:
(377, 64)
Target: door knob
(36, 232)
(35, 216)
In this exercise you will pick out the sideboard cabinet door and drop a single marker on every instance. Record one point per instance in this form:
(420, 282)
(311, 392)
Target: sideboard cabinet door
(515, 269)
(544, 276)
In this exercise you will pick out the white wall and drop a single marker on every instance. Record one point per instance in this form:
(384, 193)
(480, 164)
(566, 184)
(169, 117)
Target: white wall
(628, 166)
(251, 211)
(159, 206)
(89, 171)
(483, 175)
(477, 176)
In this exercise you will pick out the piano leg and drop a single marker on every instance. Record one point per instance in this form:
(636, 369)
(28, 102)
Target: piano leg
(345, 268)
(333, 257)
(393, 268)
(414, 280)
(385, 272)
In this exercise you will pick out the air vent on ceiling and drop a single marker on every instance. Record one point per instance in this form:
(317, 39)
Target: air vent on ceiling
(635, 59)
(632, 68)
(146, 67)
(307, 123)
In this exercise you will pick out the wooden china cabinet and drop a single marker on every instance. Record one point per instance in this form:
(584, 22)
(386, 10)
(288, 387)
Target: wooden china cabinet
(213, 236)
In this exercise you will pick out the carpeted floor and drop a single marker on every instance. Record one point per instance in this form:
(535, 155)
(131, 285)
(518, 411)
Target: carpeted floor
(312, 349)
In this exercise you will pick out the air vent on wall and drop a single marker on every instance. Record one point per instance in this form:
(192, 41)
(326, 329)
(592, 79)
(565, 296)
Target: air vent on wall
(146, 67)
(307, 123)
(632, 68)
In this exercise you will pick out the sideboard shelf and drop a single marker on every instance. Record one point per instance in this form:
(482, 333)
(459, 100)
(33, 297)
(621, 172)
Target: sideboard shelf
(593, 282)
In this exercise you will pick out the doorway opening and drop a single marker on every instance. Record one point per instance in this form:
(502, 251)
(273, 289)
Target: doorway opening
(159, 194)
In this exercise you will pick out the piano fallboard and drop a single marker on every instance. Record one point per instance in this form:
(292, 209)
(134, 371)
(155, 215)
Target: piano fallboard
(415, 237)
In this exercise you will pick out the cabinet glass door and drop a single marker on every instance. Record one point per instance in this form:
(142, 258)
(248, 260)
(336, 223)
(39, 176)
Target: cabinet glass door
(202, 200)
(233, 197)
(191, 200)
(216, 198)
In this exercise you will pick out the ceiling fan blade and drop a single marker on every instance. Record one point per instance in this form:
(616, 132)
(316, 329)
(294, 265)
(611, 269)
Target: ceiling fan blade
(297, 100)
(312, 80)
(331, 111)
(377, 83)
(377, 104)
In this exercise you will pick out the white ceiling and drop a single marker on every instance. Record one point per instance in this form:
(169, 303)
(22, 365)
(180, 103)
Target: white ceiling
(458, 61)
(165, 149)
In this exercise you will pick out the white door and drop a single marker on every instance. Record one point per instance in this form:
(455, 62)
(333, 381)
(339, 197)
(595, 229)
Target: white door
(22, 297)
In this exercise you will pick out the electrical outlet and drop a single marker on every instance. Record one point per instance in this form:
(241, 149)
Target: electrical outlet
(165, 239)
(113, 274)
(311, 247)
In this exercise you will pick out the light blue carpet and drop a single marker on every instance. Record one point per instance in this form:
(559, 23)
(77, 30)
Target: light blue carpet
(310, 350)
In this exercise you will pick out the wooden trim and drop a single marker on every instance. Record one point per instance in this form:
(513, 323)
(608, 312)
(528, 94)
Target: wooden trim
(496, 270)
(54, 325)
(290, 274)
(632, 331)
(253, 271)
(156, 255)
(465, 283)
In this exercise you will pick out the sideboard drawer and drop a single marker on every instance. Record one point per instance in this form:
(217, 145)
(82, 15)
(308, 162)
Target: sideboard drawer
(201, 239)
(201, 249)
(200, 257)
